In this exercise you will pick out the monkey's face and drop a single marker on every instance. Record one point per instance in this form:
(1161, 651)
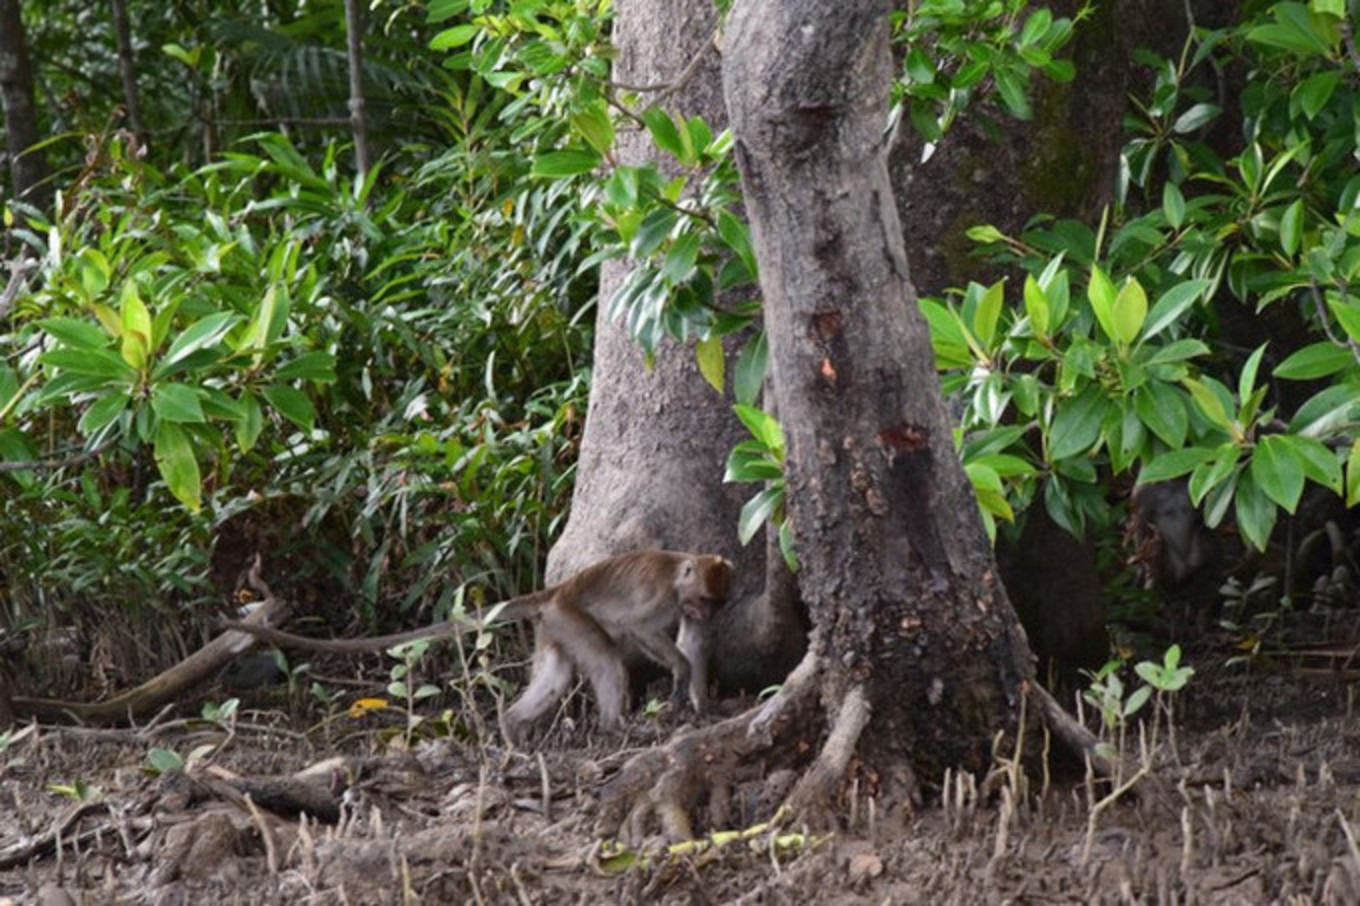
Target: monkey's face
(704, 584)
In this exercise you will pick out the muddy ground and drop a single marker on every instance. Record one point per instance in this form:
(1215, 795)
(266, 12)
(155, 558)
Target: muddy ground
(1258, 802)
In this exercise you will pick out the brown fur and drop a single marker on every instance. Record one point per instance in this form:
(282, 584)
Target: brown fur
(655, 602)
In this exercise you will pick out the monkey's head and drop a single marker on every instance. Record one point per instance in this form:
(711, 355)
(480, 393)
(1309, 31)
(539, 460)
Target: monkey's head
(704, 582)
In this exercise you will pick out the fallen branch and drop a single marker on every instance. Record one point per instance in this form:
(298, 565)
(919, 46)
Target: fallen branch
(168, 686)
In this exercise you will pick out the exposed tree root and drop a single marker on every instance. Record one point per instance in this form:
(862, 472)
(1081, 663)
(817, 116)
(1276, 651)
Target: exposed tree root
(169, 685)
(660, 789)
(663, 786)
(816, 789)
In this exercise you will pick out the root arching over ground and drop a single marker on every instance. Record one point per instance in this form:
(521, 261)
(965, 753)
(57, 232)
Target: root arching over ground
(699, 768)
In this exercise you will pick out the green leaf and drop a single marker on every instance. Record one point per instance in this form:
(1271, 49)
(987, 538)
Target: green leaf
(1172, 304)
(1101, 294)
(763, 427)
(595, 126)
(749, 375)
(989, 491)
(1129, 312)
(664, 132)
(457, 36)
(1295, 30)
(652, 232)
(1315, 361)
(102, 363)
(1291, 227)
(292, 404)
(1214, 472)
(1208, 402)
(988, 312)
(202, 334)
(565, 163)
(751, 461)
(251, 423)
(136, 327)
(1331, 411)
(709, 354)
(310, 366)
(1199, 115)
(1036, 306)
(1353, 474)
(1319, 463)
(104, 411)
(1076, 426)
(1174, 464)
(1313, 92)
(1160, 407)
(1255, 513)
(757, 511)
(1173, 205)
(737, 236)
(176, 403)
(919, 67)
(1277, 470)
(1347, 315)
(1011, 86)
(178, 467)
(75, 333)
(680, 259)
(1246, 380)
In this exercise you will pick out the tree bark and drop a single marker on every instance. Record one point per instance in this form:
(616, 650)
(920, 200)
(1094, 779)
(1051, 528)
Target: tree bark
(896, 570)
(656, 438)
(27, 165)
(127, 69)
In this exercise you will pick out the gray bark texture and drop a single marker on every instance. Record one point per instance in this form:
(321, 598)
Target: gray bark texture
(896, 571)
(28, 169)
(656, 439)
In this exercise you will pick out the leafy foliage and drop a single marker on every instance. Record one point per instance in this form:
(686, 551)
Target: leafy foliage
(1130, 375)
(400, 357)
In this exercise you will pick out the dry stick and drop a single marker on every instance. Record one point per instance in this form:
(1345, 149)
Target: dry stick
(663, 90)
(1350, 840)
(1145, 768)
(547, 787)
(271, 853)
(19, 271)
(36, 464)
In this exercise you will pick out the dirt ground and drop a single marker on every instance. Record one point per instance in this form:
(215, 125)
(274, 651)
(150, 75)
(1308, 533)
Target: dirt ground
(1258, 802)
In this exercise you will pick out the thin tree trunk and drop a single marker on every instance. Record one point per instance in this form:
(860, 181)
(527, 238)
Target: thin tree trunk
(896, 569)
(127, 68)
(27, 165)
(358, 117)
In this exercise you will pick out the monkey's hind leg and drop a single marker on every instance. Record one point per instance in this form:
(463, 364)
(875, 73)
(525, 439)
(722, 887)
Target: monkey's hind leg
(594, 653)
(549, 680)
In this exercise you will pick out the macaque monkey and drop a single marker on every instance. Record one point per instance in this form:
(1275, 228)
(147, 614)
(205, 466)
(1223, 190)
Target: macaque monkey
(588, 623)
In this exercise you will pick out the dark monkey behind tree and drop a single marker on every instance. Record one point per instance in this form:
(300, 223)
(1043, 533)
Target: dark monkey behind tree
(655, 602)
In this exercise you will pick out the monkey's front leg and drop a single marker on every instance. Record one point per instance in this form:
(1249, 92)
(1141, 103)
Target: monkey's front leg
(666, 653)
(692, 643)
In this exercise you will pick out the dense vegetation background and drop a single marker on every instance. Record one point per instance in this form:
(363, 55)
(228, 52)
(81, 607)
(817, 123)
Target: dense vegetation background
(224, 334)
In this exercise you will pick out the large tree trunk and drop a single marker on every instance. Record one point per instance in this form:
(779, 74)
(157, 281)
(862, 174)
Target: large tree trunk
(896, 569)
(28, 168)
(651, 463)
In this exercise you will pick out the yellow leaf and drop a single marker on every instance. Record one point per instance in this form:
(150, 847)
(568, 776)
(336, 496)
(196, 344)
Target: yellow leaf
(362, 706)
